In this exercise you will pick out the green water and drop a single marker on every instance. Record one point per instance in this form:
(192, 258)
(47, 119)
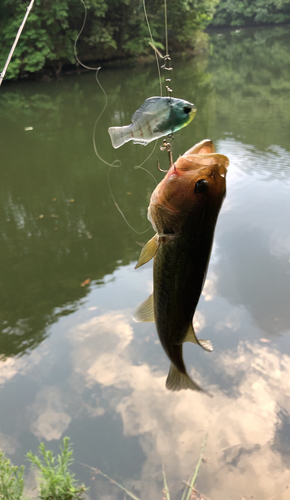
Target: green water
(73, 362)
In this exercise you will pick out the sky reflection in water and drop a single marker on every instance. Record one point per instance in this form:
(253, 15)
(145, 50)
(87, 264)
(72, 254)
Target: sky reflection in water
(98, 377)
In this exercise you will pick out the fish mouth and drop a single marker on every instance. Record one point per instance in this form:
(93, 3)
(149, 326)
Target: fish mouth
(222, 170)
(189, 108)
(214, 170)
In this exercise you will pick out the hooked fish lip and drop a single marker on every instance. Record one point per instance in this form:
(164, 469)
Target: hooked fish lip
(222, 170)
(216, 169)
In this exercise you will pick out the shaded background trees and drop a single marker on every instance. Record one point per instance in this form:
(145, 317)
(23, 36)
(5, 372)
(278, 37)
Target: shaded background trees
(114, 29)
(251, 12)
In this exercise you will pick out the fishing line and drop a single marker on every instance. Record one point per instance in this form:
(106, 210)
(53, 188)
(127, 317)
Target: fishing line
(76, 40)
(165, 25)
(157, 52)
(153, 46)
(119, 209)
(116, 163)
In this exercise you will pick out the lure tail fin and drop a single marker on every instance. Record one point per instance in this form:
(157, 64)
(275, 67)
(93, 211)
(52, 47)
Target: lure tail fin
(120, 135)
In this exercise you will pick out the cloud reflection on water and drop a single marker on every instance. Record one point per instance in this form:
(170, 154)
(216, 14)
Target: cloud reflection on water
(109, 369)
(171, 426)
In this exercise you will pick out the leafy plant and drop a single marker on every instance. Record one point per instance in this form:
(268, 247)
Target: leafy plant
(11, 480)
(57, 482)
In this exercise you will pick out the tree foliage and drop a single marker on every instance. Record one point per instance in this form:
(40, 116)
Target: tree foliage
(251, 12)
(114, 29)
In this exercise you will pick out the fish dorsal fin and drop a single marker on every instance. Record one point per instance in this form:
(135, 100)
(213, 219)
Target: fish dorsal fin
(148, 251)
(145, 312)
(191, 337)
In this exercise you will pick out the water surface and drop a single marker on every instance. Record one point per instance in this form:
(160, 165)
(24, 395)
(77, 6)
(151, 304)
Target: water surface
(73, 362)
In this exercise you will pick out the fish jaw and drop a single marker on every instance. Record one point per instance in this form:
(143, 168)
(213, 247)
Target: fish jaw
(174, 201)
(203, 147)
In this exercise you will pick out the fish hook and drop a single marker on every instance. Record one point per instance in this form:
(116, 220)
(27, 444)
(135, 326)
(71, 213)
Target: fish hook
(166, 146)
(161, 169)
(165, 171)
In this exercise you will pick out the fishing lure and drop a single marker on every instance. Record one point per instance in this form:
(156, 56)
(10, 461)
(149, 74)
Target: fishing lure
(157, 117)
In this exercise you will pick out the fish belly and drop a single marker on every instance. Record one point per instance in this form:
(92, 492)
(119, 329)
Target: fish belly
(179, 273)
(143, 133)
(148, 129)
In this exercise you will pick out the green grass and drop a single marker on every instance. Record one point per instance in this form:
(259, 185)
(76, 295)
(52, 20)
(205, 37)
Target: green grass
(189, 492)
(57, 482)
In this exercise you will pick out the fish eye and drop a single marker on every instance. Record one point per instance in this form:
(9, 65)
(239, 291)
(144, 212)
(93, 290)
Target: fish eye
(201, 186)
(186, 110)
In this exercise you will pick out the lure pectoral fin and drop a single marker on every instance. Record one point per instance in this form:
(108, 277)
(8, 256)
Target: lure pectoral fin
(148, 251)
(145, 312)
(191, 337)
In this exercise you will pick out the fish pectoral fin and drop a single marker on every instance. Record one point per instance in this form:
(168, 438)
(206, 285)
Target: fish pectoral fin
(145, 312)
(191, 337)
(177, 380)
(148, 251)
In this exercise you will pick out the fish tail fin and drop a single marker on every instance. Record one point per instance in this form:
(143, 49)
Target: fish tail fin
(177, 380)
(120, 135)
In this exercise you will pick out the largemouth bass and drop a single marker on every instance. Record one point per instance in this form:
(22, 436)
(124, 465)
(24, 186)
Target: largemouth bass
(183, 211)
(157, 117)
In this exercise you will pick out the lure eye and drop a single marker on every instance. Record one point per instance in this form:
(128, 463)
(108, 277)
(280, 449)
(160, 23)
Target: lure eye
(187, 110)
(201, 186)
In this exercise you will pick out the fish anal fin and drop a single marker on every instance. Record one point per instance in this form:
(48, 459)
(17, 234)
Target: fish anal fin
(191, 337)
(145, 312)
(206, 345)
(176, 381)
(148, 251)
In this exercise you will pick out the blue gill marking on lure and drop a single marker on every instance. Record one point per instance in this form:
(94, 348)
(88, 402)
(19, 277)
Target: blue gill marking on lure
(157, 117)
